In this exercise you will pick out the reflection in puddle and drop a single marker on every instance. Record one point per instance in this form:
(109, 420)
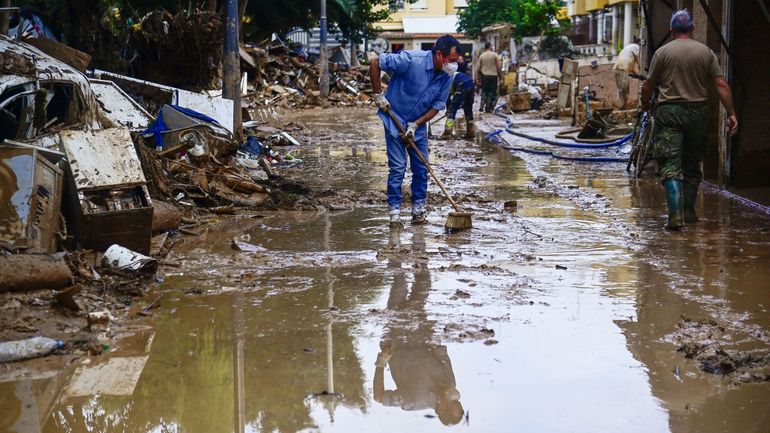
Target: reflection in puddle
(421, 370)
(342, 325)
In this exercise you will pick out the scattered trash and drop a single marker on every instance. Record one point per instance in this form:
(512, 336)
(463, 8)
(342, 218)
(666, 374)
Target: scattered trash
(561, 267)
(247, 247)
(34, 347)
(118, 376)
(65, 297)
(98, 321)
(118, 258)
(510, 206)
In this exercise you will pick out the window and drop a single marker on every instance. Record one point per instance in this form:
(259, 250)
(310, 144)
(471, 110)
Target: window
(461, 4)
(420, 5)
(62, 104)
(16, 112)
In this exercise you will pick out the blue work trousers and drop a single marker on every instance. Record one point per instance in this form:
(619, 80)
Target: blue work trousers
(397, 170)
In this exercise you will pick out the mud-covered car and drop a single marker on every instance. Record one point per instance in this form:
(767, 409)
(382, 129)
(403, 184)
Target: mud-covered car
(40, 96)
(52, 128)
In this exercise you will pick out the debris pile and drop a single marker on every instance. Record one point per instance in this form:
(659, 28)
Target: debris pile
(281, 77)
(162, 44)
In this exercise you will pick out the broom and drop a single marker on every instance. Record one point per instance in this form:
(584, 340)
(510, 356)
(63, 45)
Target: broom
(457, 220)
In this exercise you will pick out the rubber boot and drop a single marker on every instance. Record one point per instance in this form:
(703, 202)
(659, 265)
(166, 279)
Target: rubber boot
(470, 130)
(449, 132)
(675, 204)
(690, 193)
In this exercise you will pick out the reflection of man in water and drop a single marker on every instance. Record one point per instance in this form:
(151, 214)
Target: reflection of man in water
(420, 368)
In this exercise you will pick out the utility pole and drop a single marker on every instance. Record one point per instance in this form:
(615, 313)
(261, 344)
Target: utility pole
(231, 88)
(324, 69)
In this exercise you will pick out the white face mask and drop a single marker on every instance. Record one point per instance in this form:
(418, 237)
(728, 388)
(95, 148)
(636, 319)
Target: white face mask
(450, 68)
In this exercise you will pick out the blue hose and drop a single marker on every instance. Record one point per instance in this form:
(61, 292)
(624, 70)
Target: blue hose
(508, 129)
(494, 137)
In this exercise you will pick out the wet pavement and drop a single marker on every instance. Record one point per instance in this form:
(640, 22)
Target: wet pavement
(563, 316)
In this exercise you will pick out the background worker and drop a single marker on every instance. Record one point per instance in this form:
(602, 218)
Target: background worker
(626, 64)
(488, 73)
(461, 94)
(417, 91)
(683, 70)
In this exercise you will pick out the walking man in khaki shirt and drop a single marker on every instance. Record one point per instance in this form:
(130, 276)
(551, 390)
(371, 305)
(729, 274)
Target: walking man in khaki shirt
(683, 70)
(488, 73)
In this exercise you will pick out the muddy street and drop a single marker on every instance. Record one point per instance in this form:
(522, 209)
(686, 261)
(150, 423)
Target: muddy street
(573, 311)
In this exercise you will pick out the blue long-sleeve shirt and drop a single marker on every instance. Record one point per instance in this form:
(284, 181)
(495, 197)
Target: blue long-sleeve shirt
(414, 88)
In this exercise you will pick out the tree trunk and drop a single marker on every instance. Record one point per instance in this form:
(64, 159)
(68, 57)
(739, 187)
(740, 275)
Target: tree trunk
(33, 272)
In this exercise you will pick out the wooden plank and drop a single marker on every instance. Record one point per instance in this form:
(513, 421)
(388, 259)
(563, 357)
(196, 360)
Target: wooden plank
(77, 59)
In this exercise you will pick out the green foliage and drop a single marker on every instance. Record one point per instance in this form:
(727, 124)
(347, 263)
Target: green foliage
(481, 13)
(529, 17)
(355, 17)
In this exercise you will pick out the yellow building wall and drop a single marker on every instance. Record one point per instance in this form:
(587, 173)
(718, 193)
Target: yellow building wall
(592, 5)
(579, 8)
(435, 8)
(617, 2)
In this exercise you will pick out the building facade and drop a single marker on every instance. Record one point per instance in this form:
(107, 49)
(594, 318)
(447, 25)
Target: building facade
(417, 25)
(603, 27)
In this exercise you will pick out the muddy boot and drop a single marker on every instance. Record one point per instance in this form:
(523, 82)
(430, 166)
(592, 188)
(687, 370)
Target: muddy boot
(395, 219)
(419, 215)
(690, 193)
(675, 204)
(470, 130)
(449, 127)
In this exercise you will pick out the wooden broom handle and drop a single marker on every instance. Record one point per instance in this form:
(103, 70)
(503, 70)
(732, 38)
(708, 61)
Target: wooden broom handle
(424, 160)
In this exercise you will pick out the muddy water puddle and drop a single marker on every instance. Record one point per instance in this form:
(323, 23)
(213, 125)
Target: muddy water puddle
(563, 316)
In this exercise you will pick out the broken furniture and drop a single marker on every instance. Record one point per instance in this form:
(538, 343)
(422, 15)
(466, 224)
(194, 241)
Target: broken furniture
(30, 198)
(108, 198)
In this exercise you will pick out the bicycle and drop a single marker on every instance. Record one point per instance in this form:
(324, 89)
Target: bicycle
(641, 143)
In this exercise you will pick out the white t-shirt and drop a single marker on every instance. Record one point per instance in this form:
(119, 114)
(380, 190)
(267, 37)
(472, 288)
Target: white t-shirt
(628, 59)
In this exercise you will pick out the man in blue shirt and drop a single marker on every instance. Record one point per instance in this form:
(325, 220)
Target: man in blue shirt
(417, 91)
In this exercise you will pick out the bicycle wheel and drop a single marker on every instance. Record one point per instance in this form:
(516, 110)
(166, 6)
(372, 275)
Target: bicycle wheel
(634, 144)
(645, 147)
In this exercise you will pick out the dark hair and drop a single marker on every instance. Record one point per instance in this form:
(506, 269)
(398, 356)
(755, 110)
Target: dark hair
(488, 45)
(462, 67)
(445, 44)
(681, 21)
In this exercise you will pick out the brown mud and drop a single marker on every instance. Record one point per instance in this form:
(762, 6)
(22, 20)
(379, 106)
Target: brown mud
(564, 315)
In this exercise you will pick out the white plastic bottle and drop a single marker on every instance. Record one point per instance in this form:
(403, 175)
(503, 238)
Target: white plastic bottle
(29, 348)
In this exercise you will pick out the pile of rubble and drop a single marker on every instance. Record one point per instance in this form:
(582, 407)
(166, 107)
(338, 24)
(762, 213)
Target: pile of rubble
(161, 44)
(281, 77)
(99, 176)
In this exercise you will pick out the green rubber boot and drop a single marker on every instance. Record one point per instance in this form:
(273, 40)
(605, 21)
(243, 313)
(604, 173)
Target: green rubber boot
(675, 204)
(690, 193)
(449, 130)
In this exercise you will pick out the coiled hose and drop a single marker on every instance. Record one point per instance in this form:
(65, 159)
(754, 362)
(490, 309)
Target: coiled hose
(494, 137)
